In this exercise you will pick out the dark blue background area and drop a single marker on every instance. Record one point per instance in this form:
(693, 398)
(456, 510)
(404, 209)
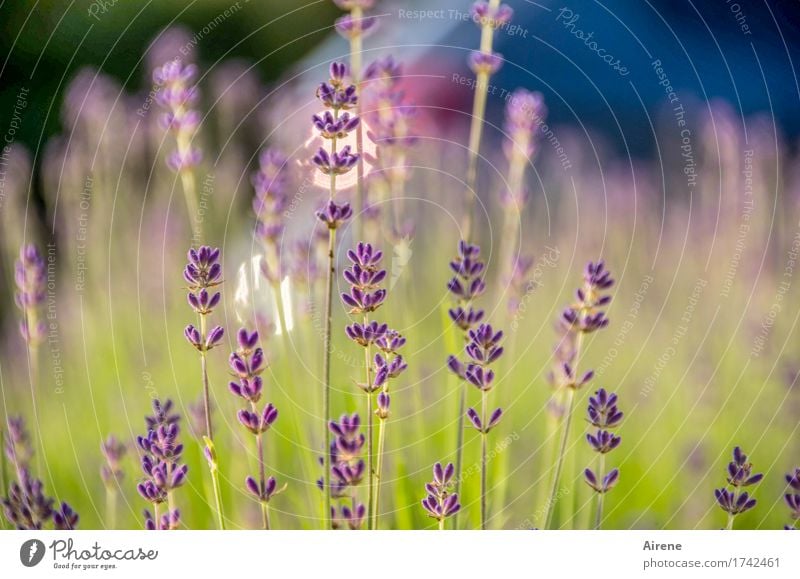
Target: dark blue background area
(702, 48)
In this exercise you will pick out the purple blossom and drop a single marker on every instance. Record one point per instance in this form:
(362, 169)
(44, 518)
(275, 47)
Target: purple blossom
(603, 411)
(364, 276)
(203, 273)
(604, 484)
(441, 502)
(485, 63)
(258, 422)
(484, 15)
(113, 451)
(31, 278)
(336, 93)
(177, 94)
(350, 27)
(586, 314)
(65, 518)
(466, 285)
(333, 215)
(739, 474)
(27, 507)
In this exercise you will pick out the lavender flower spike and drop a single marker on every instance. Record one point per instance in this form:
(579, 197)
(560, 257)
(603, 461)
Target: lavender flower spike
(31, 278)
(111, 472)
(203, 273)
(603, 414)
(441, 502)
(161, 452)
(177, 94)
(735, 501)
(338, 97)
(584, 316)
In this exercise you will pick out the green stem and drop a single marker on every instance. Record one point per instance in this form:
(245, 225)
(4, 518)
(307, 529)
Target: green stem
(462, 408)
(111, 509)
(155, 516)
(209, 431)
(484, 434)
(729, 526)
(265, 515)
(441, 524)
(326, 376)
(600, 474)
(476, 125)
(370, 449)
(379, 471)
(560, 460)
(356, 47)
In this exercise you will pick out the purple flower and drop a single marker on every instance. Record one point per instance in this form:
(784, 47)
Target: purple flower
(271, 201)
(160, 460)
(441, 502)
(525, 112)
(483, 63)
(65, 519)
(484, 15)
(603, 441)
(350, 27)
(31, 279)
(26, 506)
(336, 94)
(113, 451)
(350, 4)
(603, 411)
(384, 402)
(366, 335)
(336, 163)
(203, 273)
(333, 215)
(247, 364)
(177, 94)
(256, 422)
(605, 484)
(347, 471)
(732, 503)
(586, 316)
(739, 474)
(265, 490)
(364, 276)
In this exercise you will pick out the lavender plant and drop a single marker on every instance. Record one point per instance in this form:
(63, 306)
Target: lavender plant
(177, 94)
(389, 364)
(31, 278)
(603, 414)
(734, 500)
(364, 297)
(163, 472)
(484, 63)
(792, 497)
(347, 472)
(203, 273)
(112, 474)
(441, 502)
(247, 364)
(525, 111)
(465, 286)
(355, 27)
(483, 350)
(583, 317)
(338, 97)
(26, 506)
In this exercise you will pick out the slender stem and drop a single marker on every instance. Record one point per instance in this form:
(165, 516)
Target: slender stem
(560, 460)
(326, 360)
(379, 470)
(729, 526)
(370, 449)
(600, 474)
(265, 515)
(484, 434)
(462, 408)
(111, 509)
(262, 477)
(209, 432)
(476, 126)
(512, 212)
(326, 375)
(356, 47)
(155, 515)
(183, 140)
(441, 524)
